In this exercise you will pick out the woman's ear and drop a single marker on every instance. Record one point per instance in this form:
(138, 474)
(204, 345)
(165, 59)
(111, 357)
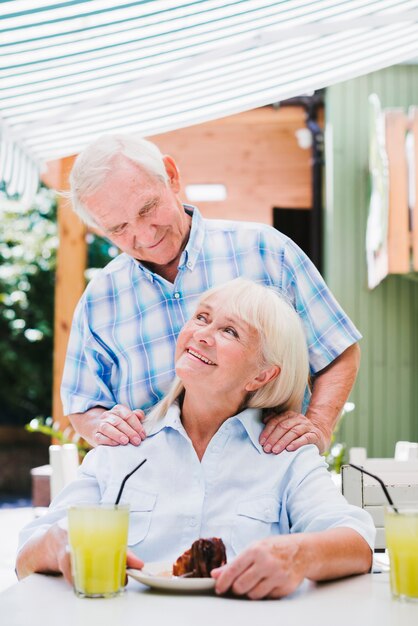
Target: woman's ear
(172, 172)
(263, 378)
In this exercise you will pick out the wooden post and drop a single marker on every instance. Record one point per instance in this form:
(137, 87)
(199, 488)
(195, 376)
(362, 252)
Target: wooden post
(69, 281)
(398, 231)
(413, 120)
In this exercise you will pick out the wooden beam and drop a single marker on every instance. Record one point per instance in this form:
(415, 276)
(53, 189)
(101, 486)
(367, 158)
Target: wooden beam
(398, 229)
(69, 282)
(413, 120)
(51, 175)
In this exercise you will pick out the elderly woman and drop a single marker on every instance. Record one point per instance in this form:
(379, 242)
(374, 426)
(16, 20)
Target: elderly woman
(280, 517)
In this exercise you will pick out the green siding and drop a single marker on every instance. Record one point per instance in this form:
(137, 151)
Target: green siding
(386, 392)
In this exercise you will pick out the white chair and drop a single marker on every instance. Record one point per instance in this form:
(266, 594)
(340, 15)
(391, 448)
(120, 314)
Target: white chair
(400, 478)
(406, 451)
(64, 465)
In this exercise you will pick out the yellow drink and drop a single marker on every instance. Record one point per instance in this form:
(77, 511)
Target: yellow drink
(402, 541)
(98, 536)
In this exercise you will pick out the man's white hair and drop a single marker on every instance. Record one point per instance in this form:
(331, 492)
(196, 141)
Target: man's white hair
(282, 339)
(94, 163)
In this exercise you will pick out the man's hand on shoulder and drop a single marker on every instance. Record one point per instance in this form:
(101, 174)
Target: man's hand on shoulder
(110, 427)
(120, 426)
(291, 430)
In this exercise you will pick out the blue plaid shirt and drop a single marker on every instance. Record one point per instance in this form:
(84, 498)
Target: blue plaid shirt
(124, 331)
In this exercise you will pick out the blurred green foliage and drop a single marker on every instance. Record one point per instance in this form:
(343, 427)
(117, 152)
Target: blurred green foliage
(335, 455)
(46, 426)
(28, 245)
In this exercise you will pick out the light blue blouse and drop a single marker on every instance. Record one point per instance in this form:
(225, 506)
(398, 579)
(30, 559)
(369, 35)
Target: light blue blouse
(237, 492)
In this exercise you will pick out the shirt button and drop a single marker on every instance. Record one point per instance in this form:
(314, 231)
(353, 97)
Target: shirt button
(192, 521)
(177, 295)
(189, 264)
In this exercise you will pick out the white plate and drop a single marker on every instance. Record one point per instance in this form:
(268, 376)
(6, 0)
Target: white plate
(159, 576)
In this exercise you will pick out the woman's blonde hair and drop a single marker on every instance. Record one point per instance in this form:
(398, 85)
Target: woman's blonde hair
(94, 163)
(282, 339)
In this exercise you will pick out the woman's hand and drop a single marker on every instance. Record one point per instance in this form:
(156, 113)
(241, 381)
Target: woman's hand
(133, 561)
(47, 554)
(270, 568)
(291, 430)
(60, 551)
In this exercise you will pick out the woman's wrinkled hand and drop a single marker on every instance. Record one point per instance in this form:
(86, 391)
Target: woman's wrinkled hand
(270, 568)
(133, 562)
(291, 430)
(120, 426)
(60, 551)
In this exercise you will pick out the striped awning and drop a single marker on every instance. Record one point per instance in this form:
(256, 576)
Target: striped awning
(70, 71)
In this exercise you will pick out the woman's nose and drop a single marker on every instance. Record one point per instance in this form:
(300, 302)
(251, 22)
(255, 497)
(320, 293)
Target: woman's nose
(205, 334)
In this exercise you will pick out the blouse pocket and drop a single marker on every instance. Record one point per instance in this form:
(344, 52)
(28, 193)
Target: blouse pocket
(141, 507)
(255, 519)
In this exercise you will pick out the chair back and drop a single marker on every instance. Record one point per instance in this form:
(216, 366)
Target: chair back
(64, 463)
(400, 478)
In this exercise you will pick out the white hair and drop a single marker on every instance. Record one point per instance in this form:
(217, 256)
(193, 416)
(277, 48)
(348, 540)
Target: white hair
(94, 163)
(283, 343)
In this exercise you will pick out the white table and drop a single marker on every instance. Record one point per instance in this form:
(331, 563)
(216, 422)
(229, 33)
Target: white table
(357, 601)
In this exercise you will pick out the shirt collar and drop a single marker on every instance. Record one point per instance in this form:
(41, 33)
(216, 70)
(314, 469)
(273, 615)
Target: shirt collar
(195, 243)
(170, 420)
(249, 418)
(251, 421)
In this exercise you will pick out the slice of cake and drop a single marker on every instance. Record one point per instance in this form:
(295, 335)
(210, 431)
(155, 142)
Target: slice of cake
(199, 560)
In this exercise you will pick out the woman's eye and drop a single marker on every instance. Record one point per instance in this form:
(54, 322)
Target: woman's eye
(201, 317)
(231, 331)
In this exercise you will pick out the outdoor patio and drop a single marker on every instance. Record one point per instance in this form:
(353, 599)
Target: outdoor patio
(299, 116)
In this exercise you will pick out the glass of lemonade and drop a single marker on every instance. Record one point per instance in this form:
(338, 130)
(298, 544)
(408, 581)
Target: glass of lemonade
(98, 536)
(401, 531)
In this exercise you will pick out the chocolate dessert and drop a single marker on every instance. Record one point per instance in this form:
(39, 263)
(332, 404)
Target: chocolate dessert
(199, 560)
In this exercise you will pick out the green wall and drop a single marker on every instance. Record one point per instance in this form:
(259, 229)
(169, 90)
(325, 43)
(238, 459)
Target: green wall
(386, 392)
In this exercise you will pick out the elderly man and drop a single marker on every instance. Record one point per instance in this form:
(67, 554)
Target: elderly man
(120, 358)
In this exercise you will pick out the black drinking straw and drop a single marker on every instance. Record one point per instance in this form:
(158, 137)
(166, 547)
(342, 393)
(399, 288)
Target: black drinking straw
(126, 478)
(380, 481)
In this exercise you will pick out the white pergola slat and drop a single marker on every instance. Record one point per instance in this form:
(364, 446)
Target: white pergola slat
(70, 71)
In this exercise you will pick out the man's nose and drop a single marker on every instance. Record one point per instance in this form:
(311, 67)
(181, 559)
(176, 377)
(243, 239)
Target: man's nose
(145, 237)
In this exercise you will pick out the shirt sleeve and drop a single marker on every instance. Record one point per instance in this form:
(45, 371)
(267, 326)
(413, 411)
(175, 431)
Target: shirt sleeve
(328, 329)
(313, 502)
(88, 367)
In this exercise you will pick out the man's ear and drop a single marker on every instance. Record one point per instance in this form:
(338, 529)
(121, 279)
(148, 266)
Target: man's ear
(172, 172)
(263, 378)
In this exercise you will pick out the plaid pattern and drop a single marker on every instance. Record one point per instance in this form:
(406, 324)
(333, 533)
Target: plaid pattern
(121, 348)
